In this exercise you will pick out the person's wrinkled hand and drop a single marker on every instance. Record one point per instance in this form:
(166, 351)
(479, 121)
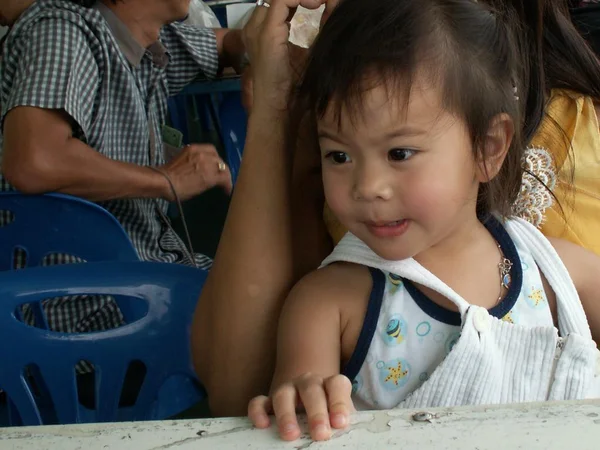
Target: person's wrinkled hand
(196, 169)
(297, 57)
(327, 403)
(266, 37)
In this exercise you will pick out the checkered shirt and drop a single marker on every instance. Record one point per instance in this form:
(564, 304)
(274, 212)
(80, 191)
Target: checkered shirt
(84, 61)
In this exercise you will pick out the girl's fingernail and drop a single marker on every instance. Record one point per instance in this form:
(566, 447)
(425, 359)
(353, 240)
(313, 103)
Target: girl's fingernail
(339, 420)
(288, 428)
(322, 429)
(263, 419)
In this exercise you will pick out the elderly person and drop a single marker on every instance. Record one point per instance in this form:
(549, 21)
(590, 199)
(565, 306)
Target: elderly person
(83, 95)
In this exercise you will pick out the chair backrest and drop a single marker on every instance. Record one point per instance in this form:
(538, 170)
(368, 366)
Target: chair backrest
(234, 121)
(42, 225)
(37, 369)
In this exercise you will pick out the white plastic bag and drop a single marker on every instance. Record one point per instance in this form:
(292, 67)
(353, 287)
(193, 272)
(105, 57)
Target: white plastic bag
(201, 15)
(305, 26)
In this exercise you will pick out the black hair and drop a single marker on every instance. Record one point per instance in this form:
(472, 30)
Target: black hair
(473, 50)
(556, 50)
(569, 61)
(565, 60)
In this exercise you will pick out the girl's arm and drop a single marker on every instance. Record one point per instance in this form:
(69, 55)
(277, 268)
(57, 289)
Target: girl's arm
(584, 268)
(315, 317)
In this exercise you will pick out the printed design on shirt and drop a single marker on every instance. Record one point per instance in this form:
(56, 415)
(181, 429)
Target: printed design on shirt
(395, 282)
(357, 384)
(536, 298)
(510, 317)
(394, 374)
(539, 180)
(451, 341)
(395, 330)
(423, 329)
(439, 337)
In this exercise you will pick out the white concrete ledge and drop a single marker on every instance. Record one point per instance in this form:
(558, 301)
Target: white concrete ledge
(564, 426)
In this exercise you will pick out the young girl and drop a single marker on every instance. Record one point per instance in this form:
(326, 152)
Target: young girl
(435, 297)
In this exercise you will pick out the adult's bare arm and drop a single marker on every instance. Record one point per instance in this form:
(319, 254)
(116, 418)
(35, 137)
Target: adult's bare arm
(41, 155)
(235, 325)
(311, 241)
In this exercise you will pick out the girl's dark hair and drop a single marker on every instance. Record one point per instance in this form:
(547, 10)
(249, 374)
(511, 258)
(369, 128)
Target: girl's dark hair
(569, 61)
(472, 50)
(565, 60)
(556, 48)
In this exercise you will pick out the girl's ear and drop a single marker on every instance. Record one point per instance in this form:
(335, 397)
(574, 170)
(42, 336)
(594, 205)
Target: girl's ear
(496, 145)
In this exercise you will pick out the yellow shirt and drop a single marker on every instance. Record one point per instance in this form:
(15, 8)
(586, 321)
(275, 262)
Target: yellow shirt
(570, 123)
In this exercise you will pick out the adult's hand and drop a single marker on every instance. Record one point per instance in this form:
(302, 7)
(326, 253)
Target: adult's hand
(196, 169)
(296, 56)
(266, 36)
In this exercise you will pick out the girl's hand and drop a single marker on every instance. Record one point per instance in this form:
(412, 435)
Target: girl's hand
(327, 403)
(266, 38)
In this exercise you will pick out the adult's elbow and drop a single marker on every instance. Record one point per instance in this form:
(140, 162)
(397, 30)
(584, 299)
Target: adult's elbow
(224, 399)
(28, 173)
(222, 403)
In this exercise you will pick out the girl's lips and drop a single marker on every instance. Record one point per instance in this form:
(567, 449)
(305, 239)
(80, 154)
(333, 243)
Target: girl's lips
(388, 229)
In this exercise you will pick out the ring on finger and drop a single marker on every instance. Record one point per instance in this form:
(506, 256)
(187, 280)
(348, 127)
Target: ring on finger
(221, 166)
(263, 3)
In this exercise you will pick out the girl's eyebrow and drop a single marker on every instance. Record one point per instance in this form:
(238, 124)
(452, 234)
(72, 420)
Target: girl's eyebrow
(399, 132)
(405, 131)
(325, 134)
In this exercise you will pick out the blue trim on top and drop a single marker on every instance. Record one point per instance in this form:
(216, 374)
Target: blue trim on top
(509, 250)
(369, 325)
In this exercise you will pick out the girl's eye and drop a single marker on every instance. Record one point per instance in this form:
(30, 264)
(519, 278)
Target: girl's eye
(338, 157)
(400, 154)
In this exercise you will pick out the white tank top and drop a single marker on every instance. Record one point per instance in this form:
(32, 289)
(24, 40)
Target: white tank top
(406, 337)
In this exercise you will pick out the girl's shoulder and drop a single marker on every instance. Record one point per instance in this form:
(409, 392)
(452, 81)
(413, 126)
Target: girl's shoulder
(337, 280)
(340, 290)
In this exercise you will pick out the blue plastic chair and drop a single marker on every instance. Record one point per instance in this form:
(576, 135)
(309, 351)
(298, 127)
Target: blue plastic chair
(55, 223)
(159, 339)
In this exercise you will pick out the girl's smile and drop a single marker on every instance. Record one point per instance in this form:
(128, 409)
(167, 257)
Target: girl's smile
(388, 229)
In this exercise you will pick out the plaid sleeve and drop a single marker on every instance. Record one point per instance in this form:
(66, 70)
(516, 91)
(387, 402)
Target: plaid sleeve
(52, 66)
(193, 52)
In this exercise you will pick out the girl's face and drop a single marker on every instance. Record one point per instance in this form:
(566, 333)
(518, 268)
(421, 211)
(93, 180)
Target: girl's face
(403, 180)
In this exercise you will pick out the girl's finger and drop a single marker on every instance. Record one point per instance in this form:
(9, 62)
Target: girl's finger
(259, 409)
(284, 406)
(314, 399)
(339, 398)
